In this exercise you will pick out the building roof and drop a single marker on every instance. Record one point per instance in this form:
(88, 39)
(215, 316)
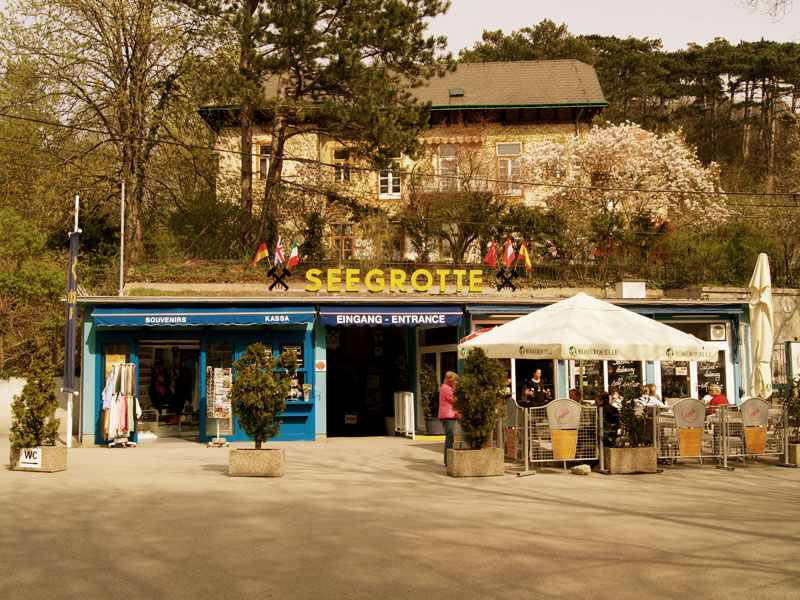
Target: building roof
(488, 85)
(532, 83)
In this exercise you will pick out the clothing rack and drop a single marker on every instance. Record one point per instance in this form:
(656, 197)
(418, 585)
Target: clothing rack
(121, 410)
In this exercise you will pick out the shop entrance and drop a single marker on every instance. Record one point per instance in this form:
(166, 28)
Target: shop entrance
(169, 387)
(366, 365)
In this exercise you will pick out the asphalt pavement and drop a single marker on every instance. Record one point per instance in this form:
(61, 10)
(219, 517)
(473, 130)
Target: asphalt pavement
(379, 518)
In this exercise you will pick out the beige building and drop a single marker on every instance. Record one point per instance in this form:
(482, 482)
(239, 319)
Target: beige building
(484, 119)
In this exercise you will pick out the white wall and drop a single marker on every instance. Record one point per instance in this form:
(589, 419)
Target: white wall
(13, 387)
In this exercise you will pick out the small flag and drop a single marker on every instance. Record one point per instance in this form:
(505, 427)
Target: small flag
(279, 251)
(491, 255)
(523, 254)
(508, 254)
(293, 257)
(262, 253)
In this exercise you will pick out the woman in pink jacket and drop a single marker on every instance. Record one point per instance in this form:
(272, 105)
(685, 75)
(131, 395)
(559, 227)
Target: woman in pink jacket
(448, 414)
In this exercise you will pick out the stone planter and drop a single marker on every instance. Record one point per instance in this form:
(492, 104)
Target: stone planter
(433, 426)
(45, 459)
(631, 460)
(249, 462)
(794, 453)
(486, 462)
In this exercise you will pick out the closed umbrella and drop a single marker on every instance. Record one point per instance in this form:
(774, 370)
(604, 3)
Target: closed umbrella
(761, 328)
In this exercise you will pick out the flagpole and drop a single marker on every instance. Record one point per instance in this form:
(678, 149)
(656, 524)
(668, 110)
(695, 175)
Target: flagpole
(67, 363)
(122, 238)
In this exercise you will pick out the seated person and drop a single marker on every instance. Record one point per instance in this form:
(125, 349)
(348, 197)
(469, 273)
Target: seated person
(610, 418)
(574, 395)
(717, 398)
(647, 400)
(614, 397)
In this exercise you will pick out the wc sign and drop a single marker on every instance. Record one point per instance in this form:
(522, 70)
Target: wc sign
(30, 458)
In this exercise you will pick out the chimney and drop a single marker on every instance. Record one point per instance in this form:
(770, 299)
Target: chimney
(631, 288)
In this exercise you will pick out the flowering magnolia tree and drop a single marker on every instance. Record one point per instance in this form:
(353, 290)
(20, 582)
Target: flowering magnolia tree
(618, 168)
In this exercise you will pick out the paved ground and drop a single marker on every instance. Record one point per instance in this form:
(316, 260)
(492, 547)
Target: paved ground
(378, 517)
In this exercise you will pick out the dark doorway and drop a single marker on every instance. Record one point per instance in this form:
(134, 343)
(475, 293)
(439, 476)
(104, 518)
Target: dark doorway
(366, 365)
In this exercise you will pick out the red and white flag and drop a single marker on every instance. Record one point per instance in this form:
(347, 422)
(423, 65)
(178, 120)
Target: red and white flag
(491, 255)
(293, 256)
(508, 254)
(279, 251)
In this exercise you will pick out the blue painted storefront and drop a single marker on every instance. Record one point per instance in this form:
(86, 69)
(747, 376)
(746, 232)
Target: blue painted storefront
(125, 328)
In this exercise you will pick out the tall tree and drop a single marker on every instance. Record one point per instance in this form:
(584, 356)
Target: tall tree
(777, 9)
(544, 41)
(115, 68)
(342, 68)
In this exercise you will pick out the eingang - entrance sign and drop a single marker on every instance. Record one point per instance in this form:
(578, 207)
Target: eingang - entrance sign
(375, 316)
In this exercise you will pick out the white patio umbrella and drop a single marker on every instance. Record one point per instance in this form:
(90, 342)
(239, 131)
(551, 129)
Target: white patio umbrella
(586, 328)
(761, 328)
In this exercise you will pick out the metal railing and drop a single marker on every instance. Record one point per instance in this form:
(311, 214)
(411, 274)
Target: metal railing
(531, 435)
(689, 429)
(238, 266)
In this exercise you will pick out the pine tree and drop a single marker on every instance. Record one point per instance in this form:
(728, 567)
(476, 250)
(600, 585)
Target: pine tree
(340, 68)
(32, 422)
(258, 394)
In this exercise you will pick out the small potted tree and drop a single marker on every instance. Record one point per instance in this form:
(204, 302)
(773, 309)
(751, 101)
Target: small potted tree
(33, 427)
(633, 451)
(258, 396)
(429, 398)
(480, 397)
(789, 397)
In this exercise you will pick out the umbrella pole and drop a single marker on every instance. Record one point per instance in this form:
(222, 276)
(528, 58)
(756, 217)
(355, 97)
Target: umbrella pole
(526, 443)
(600, 436)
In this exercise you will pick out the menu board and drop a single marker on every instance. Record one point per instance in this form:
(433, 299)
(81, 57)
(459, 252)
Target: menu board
(593, 380)
(624, 374)
(709, 373)
(297, 349)
(218, 391)
(675, 380)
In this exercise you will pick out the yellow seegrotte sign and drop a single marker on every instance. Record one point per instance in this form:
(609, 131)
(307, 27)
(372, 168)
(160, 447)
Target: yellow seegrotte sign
(395, 280)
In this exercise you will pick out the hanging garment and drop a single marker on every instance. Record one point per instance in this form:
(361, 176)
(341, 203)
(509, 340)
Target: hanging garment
(111, 386)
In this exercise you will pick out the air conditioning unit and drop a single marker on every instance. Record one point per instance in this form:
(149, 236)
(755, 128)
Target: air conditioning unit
(717, 333)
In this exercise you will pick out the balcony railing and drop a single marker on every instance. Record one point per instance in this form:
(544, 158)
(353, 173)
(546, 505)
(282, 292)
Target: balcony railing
(241, 270)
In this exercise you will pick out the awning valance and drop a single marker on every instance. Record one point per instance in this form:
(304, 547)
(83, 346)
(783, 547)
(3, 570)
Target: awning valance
(163, 316)
(375, 316)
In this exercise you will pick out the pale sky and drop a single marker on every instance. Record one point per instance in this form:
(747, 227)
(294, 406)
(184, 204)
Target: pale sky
(675, 22)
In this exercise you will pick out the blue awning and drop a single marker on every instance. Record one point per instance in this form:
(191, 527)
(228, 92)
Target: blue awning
(181, 317)
(373, 316)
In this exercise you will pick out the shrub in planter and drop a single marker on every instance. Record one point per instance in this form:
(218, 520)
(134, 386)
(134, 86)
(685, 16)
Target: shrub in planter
(258, 396)
(481, 396)
(32, 421)
(633, 451)
(789, 397)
